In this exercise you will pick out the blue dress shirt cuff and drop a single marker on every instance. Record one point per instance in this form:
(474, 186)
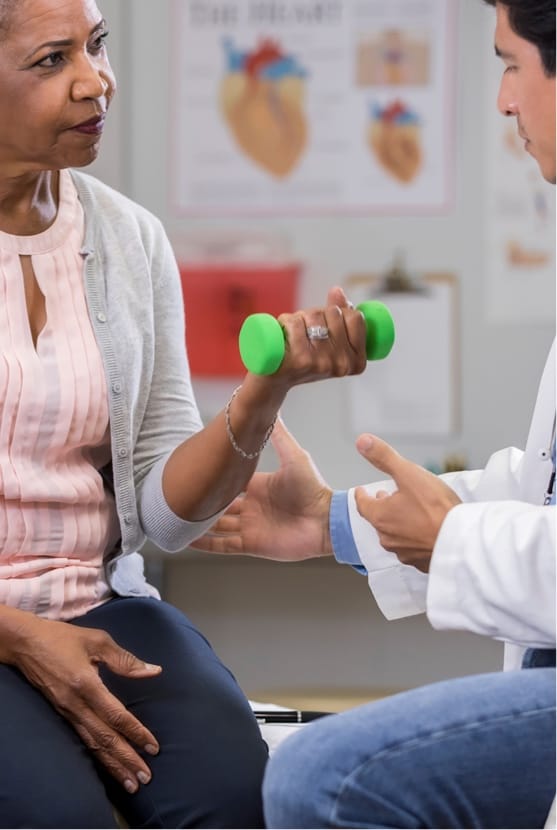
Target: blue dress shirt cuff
(342, 540)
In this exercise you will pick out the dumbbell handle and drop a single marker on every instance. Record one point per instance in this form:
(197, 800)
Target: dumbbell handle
(262, 345)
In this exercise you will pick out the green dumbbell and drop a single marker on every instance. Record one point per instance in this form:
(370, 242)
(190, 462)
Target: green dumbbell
(262, 345)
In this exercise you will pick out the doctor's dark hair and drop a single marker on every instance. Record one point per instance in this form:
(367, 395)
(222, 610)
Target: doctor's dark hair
(533, 20)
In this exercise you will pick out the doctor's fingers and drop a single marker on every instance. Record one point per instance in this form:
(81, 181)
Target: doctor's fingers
(388, 517)
(367, 504)
(387, 460)
(387, 512)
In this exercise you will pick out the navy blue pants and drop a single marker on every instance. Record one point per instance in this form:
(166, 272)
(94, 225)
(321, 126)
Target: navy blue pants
(212, 758)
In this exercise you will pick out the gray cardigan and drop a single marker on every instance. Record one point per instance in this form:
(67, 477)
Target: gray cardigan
(135, 303)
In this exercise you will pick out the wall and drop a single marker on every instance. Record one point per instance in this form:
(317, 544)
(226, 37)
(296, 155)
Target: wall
(318, 623)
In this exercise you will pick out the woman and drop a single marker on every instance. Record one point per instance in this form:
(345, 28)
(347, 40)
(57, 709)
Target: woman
(110, 696)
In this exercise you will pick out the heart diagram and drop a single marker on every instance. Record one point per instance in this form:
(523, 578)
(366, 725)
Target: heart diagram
(262, 101)
(394, 136)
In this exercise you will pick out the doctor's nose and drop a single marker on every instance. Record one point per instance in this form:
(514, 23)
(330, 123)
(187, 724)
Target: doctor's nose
(506, 102)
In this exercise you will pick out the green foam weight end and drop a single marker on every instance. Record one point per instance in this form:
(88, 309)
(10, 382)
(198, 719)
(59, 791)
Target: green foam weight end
(261, 343)
(380, 329)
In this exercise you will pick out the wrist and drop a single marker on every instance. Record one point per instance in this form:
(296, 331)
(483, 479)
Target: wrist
(325, 513)
(16, 630)
(249, 455)
(250, 416)
(260, 393)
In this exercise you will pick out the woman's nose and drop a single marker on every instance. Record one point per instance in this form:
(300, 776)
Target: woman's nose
(92, 81)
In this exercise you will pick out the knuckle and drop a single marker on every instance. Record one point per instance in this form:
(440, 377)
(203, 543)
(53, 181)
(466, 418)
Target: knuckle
(100, 637)
(118, 719)
(127, 659)
(305, 363)
(388, 542)
(361, 364)
(343, 367)
(101, 642)
(76, 684)
(105, 742)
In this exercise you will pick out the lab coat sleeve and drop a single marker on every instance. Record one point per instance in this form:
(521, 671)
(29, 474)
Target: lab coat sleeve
(493, 572)
(401, 590)
(493, 566)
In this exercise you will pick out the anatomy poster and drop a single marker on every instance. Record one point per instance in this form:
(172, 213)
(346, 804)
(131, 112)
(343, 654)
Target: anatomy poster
(520, 222)
(312, 105)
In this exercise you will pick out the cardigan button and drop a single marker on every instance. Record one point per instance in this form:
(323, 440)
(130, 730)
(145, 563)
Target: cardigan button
(101, 317)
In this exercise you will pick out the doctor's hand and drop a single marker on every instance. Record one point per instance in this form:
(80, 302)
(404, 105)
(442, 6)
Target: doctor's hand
(408, 520)
(282, 515)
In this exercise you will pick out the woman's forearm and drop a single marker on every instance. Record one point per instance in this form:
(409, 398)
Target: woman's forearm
(206, 472)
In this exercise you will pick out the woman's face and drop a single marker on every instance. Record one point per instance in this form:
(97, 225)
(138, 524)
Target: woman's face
(55, 85)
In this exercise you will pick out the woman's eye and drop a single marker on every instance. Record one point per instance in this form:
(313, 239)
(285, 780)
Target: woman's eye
(98, 43)
(51, 60)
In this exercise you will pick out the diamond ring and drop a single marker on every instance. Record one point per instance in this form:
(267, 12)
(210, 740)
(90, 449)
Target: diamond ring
(317, 332)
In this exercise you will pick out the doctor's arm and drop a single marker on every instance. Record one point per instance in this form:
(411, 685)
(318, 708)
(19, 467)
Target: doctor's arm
(491, 563)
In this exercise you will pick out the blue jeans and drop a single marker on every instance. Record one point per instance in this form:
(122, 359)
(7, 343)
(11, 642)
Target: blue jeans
(471, 752)
(212, 758)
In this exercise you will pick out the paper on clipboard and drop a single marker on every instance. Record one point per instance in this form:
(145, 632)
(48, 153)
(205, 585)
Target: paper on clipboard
(413, 392)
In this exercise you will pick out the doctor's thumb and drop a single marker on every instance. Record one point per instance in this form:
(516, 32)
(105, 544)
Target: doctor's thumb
(379, 453)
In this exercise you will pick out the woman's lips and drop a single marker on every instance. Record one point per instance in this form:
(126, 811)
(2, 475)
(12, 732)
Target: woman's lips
(92, 127)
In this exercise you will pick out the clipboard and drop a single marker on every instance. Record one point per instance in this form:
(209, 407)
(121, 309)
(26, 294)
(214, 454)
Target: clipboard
(415, 391)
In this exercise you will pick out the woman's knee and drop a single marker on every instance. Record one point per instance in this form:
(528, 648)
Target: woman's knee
(230, 771)
(237, 800)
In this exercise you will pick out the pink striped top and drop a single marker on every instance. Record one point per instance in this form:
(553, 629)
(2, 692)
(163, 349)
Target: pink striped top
(57, 521)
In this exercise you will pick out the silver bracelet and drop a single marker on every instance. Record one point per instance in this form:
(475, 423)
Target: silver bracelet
(239, 450)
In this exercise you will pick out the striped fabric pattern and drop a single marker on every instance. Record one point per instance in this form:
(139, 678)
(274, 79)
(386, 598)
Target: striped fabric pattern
(56, 519)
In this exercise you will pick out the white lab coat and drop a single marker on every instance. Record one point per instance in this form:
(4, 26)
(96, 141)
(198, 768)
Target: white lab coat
(493, 566)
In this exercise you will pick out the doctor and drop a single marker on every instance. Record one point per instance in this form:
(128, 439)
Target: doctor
(475, 550)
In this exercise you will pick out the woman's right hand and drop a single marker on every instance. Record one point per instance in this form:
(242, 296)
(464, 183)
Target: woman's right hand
(341, 353)
(283, 515)
(62, 660)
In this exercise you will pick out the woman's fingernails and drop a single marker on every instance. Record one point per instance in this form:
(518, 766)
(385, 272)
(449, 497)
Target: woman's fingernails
(151, 749)
(143, 777)
(152, 667)
(131, 786)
